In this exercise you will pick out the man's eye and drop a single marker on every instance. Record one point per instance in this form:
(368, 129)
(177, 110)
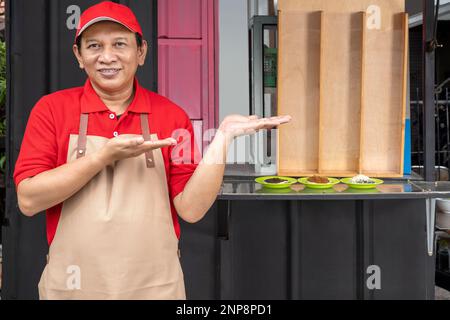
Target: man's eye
(120, 44)
(93, 46)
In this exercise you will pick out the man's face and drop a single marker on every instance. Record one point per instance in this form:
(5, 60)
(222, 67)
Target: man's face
(110, 55)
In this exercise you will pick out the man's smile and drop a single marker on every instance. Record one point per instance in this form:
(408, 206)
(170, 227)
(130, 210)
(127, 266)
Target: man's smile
(109, 72)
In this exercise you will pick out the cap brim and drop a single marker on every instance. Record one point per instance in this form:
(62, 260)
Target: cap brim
(99, 19)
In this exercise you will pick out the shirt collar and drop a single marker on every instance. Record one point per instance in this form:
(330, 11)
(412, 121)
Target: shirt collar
(91, 102)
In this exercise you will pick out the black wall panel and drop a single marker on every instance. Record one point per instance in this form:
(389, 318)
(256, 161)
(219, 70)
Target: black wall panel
(401, 252)
(328, 250)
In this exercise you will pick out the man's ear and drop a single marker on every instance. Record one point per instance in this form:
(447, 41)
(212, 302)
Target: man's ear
(142, 52)
(77, 54)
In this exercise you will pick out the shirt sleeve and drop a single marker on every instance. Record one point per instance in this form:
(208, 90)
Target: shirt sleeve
(184, 157)
(38, 152)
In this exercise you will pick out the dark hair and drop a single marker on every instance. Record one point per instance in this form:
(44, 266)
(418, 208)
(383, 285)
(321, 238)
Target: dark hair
(139, 41)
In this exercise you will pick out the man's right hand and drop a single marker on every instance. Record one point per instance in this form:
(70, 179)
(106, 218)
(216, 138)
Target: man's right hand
(120, 147)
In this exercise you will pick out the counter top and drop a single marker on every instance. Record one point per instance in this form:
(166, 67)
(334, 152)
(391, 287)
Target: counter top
(247, 189)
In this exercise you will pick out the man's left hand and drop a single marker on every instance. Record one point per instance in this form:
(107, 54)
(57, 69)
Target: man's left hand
(237, 125)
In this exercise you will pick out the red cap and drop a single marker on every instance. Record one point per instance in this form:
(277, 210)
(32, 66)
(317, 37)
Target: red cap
(108, 11)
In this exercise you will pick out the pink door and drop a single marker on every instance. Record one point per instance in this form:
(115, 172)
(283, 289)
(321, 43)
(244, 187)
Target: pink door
(187, 59)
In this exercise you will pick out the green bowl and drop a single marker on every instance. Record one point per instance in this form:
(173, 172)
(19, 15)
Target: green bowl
(348, 182)
(262, 181)
(312, 185)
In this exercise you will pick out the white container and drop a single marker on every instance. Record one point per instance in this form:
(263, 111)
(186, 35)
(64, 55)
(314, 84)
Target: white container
(443, 205)
(443, 220)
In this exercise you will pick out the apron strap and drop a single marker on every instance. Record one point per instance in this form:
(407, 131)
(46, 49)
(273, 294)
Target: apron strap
(82, 138)
(149, 159)
(82, 135)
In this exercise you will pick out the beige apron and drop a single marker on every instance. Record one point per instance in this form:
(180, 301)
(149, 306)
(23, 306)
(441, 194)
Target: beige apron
(115, 237)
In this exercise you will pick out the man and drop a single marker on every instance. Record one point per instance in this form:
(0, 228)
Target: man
(98, 159)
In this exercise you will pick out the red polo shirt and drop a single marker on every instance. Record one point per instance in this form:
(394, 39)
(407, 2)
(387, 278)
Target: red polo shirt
(56, 116)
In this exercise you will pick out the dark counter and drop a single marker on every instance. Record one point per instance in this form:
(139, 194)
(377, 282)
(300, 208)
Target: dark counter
(299, 243)
(407, 188)
(250, 190)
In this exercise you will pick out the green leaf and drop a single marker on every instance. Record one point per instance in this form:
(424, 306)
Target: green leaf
(2, 92)
(2, 163)
(2, 60)
(3, 128)
(2, 73)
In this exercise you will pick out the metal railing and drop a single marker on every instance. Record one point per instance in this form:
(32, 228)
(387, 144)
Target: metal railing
(442, 118)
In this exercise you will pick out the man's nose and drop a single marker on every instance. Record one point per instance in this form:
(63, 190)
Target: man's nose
(107, 55)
